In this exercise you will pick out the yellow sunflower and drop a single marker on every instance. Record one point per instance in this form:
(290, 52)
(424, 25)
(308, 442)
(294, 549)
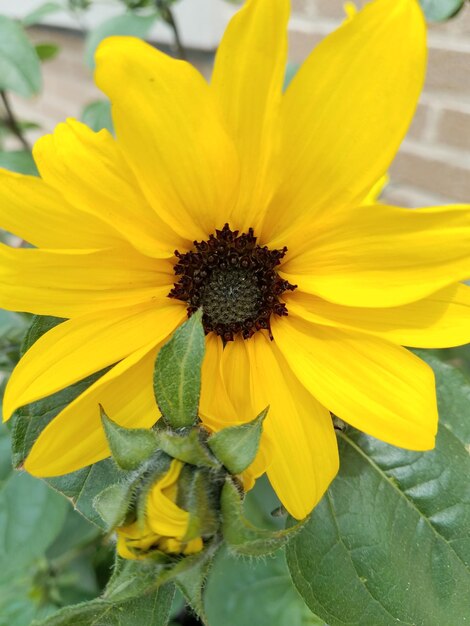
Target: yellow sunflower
(308, 290)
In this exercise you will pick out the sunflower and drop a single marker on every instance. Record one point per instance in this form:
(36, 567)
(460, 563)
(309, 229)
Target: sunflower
(255, 205)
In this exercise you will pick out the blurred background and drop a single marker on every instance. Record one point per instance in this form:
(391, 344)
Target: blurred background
(433, 166)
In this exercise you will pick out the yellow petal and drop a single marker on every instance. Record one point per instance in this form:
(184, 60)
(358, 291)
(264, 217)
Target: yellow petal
(439, 321)
(163, 516)
(226, 396)
(122, 548)
(382, 256)
(260, 464)
(32, 210)
(216, 408)
(169, 129)
(370, 383)
(134, 536)
(350, 9)
(135, 531)
(374, 194)
(237, 380)
(75, 438)
(302, 440)
(193, 546)
(347, 110)
(235, 369)
(68, 283)
(125, 546)
(247, 82)
(92, 174)
(79, 347)
(170, 546)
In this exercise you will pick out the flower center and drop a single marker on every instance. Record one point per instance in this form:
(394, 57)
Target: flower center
(234, 281)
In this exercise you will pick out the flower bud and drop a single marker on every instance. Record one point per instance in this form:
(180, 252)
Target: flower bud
(165, 525)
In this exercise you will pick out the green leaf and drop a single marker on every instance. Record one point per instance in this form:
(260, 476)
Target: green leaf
(79, 5)
(191, 584)
(20, 69)
(31, 516)
(236, 447)
(47, 51)
(40, 12)
(5, 453)
(440, 10)
(134, 578)
(71, 576)
(40, 324)
(177, 378)
(31, 420)
(75, 533)
(390, 542)
(291, 71)
(13, 327)
(12, 322)
(137, 4)
(18, 606)
(242, 591)
(260, 503)
(152, 609)
(190, 573)
(97, 115)
(82, 487)
(20, 161)
(127, 24)
(241, 535)
(131, 579)
(129, 446)
(458, 357)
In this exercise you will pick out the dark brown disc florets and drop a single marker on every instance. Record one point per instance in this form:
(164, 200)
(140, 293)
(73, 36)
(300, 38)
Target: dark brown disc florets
(234, 281)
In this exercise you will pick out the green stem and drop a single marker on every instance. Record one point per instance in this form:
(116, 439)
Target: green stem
(169, 18)
(11, 121)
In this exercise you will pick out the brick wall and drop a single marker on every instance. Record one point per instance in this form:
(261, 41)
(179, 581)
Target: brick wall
(433, 164)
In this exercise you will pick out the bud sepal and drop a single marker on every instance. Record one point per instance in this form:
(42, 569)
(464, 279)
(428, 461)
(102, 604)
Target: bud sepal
(129, 446)
(240, 535)
(236, 447)
(177, 376)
